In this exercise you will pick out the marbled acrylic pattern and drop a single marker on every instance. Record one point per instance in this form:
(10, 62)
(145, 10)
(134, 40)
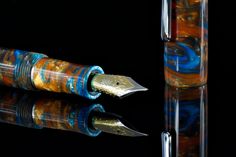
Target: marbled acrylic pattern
(58, 114)
(15, 67)
(60, 76)
(186, 52)
(186, 114)
(35, 71)
(28, 110)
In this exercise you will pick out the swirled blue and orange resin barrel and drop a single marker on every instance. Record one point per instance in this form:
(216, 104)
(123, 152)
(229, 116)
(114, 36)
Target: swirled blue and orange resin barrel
(185, 111)
(33, 71)
(29, 110)
(186, 46)
(59, 114)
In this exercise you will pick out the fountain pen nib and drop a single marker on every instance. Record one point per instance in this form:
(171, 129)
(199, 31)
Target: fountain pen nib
(115, 85)
(113, 124)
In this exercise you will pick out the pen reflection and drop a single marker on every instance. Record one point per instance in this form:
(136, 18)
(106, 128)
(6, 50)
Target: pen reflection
(41, 111)
(185, 122)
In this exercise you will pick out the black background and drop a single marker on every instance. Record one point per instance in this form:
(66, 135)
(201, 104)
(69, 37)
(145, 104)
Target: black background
(123, 37)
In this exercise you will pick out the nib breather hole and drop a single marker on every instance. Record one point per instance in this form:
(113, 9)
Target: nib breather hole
(117, 83)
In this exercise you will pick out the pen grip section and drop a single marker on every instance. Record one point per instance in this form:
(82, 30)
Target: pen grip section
(61, 76)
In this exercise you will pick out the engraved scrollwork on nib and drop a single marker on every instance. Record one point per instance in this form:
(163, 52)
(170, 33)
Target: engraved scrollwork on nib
(115, 85)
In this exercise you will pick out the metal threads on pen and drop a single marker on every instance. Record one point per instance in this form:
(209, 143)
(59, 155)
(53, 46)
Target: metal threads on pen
(24, 111)
(15, 67)
(29, 111)
(185, 30)
(16, 108)
(33, 71)
(60, 76)
(29, 70)
(23, 70)
(45, 112)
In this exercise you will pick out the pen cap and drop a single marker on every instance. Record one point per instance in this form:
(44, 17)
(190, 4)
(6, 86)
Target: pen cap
(185, 32)
(15, 67)
(186, 112)
(167, 20)
(183, 18)
(61, 76)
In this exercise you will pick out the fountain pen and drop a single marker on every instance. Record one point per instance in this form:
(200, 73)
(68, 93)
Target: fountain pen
(40, 111)
(36, 71)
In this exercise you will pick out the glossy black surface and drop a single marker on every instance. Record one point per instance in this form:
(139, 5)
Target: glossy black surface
(124, 38)
(112, 34)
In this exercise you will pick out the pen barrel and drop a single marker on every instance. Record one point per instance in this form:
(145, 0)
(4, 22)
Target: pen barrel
(29, 70)
(57, 114)
(29, 111)
(60, 76)
(185, 32)
(16, 109)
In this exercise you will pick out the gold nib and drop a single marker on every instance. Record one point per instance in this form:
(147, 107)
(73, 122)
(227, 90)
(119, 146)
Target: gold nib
(113, 124)
(115, 85)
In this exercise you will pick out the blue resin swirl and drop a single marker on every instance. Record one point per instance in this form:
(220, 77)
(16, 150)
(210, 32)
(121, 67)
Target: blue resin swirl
(182, 58)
